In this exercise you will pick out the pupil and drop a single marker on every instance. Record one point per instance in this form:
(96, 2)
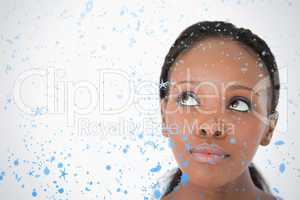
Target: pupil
(185, 97)
(235, 104)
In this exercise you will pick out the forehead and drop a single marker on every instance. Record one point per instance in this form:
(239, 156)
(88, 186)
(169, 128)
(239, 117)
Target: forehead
(219, 60)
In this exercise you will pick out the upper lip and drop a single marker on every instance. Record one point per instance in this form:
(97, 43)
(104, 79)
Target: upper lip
(209, 149)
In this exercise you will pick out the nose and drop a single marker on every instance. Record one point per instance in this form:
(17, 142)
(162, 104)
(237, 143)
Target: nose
(216, 130)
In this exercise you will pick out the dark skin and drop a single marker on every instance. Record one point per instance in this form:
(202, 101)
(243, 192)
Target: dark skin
(219, 63)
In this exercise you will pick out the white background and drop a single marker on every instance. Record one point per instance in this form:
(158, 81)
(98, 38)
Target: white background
(76, 39)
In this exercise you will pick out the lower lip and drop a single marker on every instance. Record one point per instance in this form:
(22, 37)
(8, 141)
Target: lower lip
(207, 158)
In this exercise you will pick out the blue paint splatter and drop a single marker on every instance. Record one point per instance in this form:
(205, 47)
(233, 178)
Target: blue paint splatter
(132, 41)
(279, 142)
(157, 194)
(156, 168)
(275, 190)
(16, 162)
(52, 159)
(34, 193)
(282, 167)
(141, 135)
(61, 190)
(170, 144)
(46, 171)
(17, 177)
(39, 111)
(2, 176)
(89, 6)
(125, 150)
(184, 178)
(63, 174)
(123, 10)
(108, 167)
(87, 187)
(60, 165)
(232, 140)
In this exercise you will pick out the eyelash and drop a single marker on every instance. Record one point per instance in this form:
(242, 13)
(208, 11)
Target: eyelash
(189, 93)
(242, 99)
(231, 102)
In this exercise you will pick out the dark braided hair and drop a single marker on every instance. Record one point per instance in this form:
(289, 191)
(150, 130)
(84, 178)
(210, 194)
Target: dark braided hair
(200, 31)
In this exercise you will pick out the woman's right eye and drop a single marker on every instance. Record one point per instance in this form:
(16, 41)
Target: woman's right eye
(187, 99)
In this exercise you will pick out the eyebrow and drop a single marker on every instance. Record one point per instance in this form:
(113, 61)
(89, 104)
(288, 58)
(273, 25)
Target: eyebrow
(231, 87)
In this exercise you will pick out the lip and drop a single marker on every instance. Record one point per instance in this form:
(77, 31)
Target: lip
(208, 153)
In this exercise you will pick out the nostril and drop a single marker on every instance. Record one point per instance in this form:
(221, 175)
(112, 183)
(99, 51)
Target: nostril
(203, 132)
(218, 133)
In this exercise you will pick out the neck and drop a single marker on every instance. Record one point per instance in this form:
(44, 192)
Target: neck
(240, 188)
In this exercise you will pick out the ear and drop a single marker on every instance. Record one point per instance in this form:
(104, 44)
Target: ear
(273, 118)
(163, 105)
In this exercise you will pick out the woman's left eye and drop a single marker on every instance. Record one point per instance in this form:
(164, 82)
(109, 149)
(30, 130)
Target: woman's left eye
(240, 105)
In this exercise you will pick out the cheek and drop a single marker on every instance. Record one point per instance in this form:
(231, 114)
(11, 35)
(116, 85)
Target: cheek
(248, 132)
(260, 105)
(181, 120)
(180, 149)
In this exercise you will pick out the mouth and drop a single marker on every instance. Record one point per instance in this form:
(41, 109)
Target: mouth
(209, 154)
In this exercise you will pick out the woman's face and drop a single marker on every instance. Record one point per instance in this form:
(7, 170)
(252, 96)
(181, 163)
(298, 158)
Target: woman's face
(214, 86)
